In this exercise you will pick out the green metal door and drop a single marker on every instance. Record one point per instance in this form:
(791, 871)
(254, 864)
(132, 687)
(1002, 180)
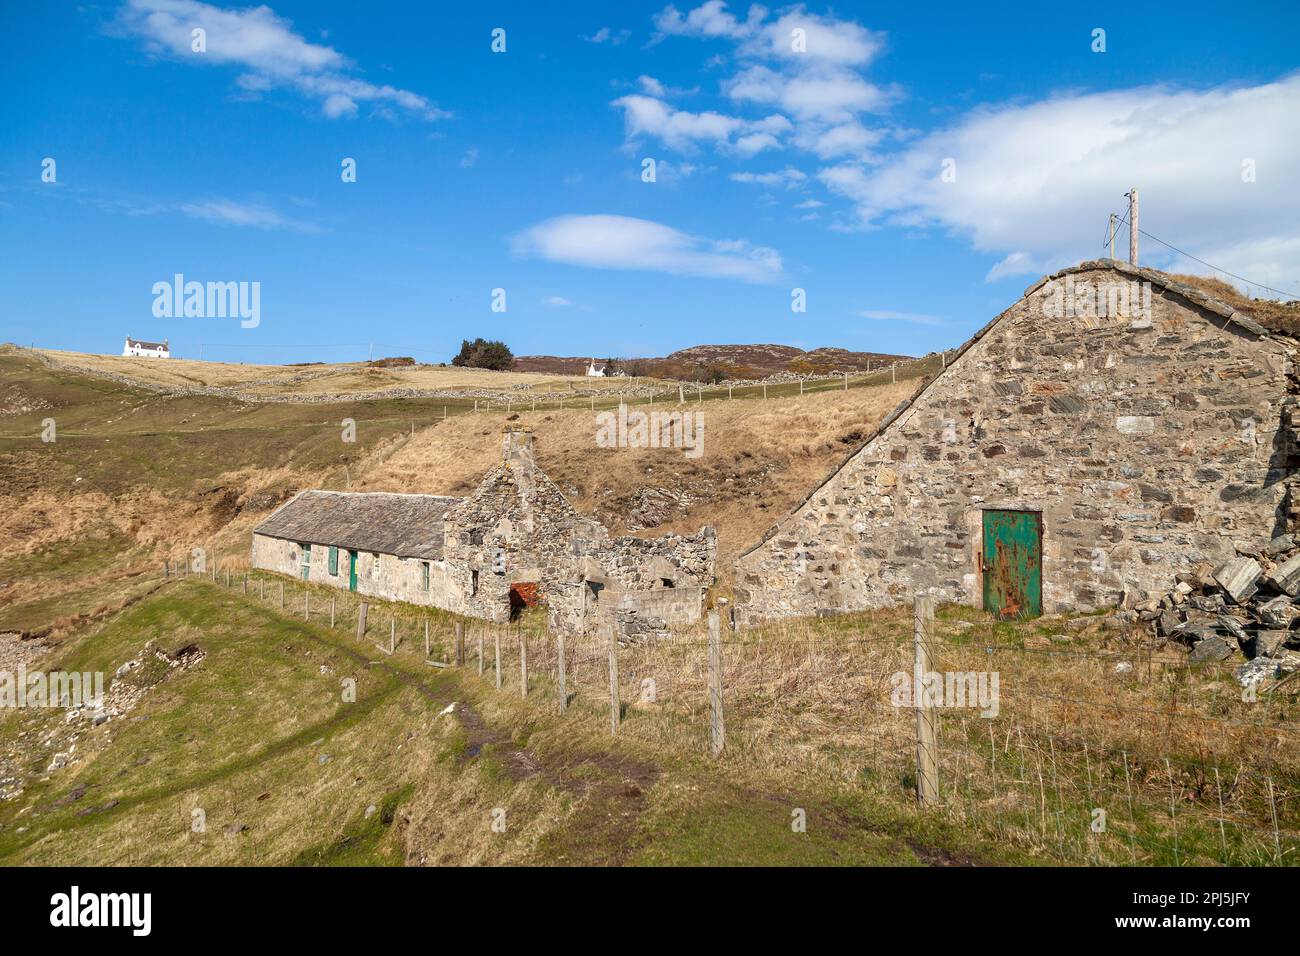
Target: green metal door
(1012, 563)
(352, 570)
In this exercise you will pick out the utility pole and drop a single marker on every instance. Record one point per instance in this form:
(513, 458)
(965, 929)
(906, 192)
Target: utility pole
(1112, 235)
(1133, 226)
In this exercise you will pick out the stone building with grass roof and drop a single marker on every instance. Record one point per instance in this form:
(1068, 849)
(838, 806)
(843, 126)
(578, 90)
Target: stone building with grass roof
(1113, 428)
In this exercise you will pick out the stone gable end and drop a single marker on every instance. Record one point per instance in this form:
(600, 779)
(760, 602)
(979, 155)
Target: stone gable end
(1148, 441)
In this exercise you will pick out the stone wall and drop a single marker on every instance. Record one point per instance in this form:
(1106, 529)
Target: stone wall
(517, 527)
(1149, 441)
(378, 575)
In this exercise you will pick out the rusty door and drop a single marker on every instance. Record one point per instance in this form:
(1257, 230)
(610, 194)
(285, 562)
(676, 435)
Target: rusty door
(1012, 563)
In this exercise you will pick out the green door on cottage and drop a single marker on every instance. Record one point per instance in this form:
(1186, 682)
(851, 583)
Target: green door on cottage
(306, 561)
(352, 570)
(1011, 563)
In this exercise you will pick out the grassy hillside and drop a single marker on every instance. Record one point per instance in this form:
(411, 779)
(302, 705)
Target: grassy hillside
(136, 476)
(257, 733)
(257, 737)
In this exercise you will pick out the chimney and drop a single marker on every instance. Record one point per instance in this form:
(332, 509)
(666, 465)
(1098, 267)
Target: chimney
(517, 450)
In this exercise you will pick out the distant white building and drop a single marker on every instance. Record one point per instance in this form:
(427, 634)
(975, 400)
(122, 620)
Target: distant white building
(147, 349)
(595, 372)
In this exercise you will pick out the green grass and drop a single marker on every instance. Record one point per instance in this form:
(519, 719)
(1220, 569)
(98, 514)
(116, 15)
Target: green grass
(252, 718)
(242, 736)
(366, 839)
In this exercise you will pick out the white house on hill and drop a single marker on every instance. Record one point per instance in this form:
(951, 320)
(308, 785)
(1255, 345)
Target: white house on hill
(595, 371)
(147, 349)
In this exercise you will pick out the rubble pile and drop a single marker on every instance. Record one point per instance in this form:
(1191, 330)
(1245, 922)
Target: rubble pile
(1246, 607)
(56, 731)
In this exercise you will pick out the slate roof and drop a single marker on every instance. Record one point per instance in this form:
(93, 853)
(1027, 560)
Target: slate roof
(146, 345)
(408, 526)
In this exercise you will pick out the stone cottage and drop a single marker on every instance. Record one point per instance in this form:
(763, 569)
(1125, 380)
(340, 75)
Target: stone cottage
(514, 542)
(1111, 429)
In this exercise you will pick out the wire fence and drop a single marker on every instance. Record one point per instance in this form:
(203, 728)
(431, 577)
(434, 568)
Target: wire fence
(438, 405)
(1113, 756)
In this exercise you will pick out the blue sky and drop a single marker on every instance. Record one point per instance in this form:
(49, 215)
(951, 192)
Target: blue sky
(776, 168)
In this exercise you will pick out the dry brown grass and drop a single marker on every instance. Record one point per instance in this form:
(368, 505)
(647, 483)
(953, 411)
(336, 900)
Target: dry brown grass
(1184, 769)
(344, 377)
(760, 459)
(1272, 314)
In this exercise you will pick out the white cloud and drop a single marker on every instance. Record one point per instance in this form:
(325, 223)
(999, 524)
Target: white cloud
(469, 158)
(228, 212)
(606, 35)
(810, 204)
(826, 40)
(1034, 182)
(915, 318)
(788, 177)
(804, 65)
(652, 86)
(257, 40)
(835, 96)
(710, 19)
(558, 301)
(622, 242)
(682, 129)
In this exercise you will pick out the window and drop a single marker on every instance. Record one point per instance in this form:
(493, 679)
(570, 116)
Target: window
(306, 554)
(374, 566)
(424, 575)
(476, 537)
(667, 582)
(334, 560)
(473, 583)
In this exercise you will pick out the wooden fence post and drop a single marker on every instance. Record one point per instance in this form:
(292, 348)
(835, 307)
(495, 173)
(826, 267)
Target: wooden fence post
(564, 693)
(281, 595)
(717, 732)
(392, 635)
(480, 652)
(245, 583)
(166, 571)
(361, 620)
(496, 639)
(262, 588)
(615, 711)
(523, 662)
(460, 644)
(306, 605)
(426, 637)
(927, 766)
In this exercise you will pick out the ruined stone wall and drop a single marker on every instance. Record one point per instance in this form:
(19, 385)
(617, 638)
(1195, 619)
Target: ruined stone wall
(644, 563)
(1148, 442)
(675, 607)
(517, 527)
